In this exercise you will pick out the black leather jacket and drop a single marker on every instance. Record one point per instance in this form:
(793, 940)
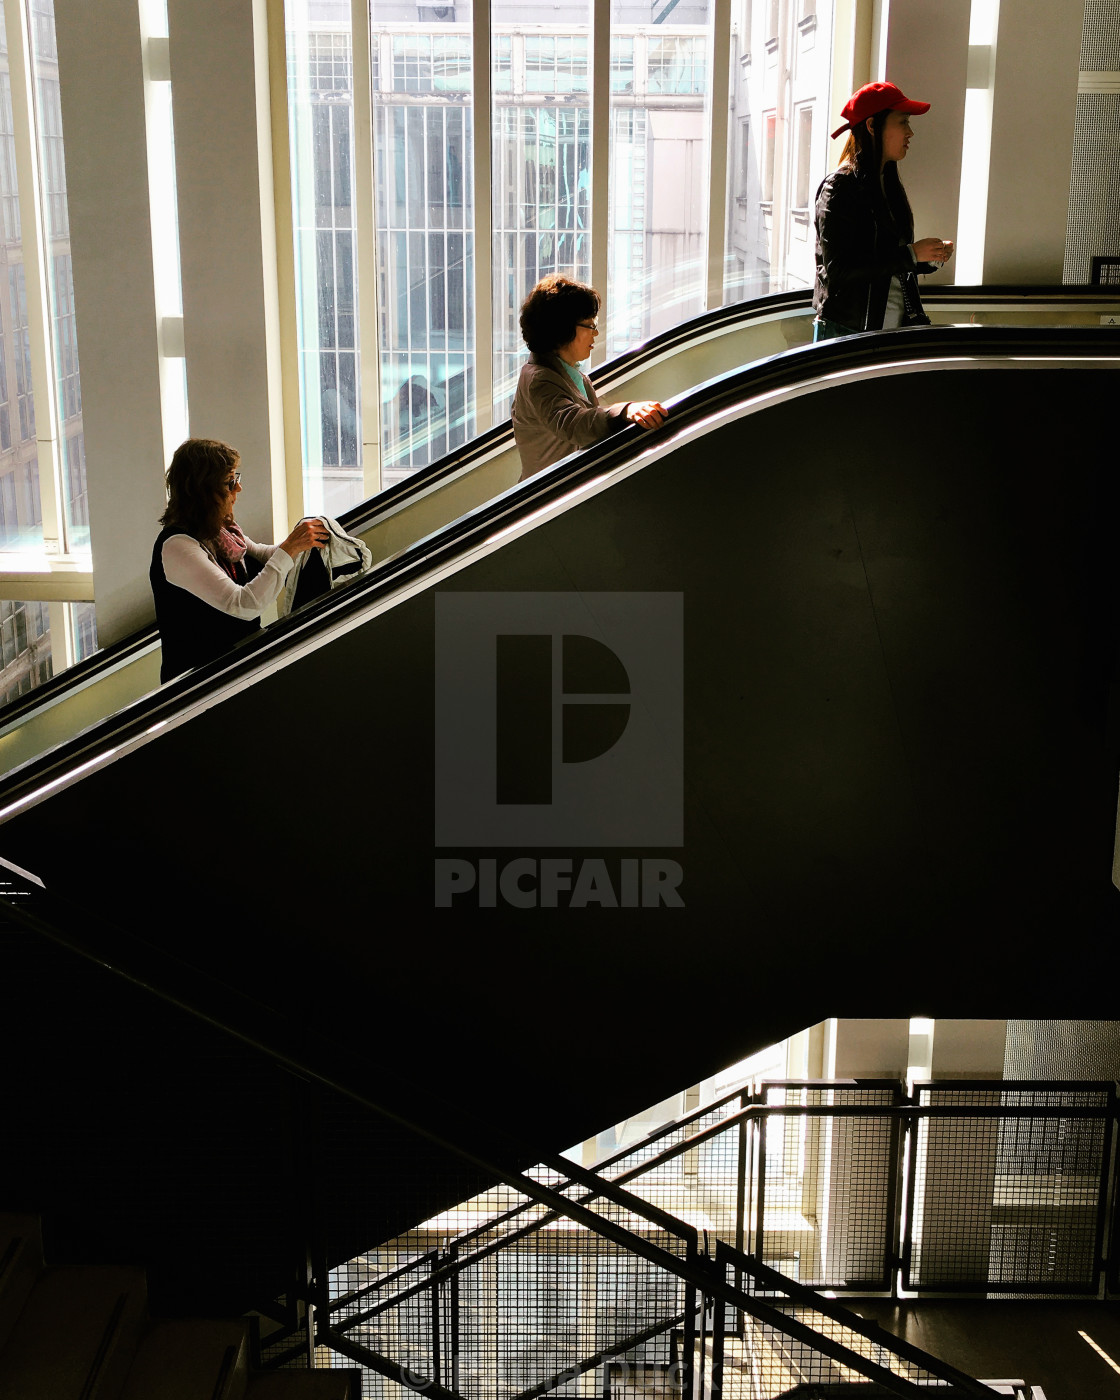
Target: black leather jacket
(859, 250)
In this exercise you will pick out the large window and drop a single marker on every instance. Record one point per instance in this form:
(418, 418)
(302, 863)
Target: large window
(422, 151)
(780, 82)
(40, 387)
(540, 133)
(659, 176)
(541, 166)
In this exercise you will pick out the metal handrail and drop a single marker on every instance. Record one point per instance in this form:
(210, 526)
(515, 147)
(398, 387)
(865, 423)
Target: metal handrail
(693, 1269)
(722, 319)
(762, 377)
(502, 1217)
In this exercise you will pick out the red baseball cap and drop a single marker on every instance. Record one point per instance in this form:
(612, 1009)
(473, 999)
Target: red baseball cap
(876, 97)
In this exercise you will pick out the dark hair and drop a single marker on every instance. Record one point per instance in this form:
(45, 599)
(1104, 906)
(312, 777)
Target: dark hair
(196, 487)
(552, 310)
(863, 153)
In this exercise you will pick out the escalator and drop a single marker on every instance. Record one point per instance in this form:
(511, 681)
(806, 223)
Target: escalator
(834, 653)
(668, 365)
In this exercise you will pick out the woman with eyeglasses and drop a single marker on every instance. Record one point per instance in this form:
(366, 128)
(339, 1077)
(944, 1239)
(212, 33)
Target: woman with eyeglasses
(556, 410)
(210, 582)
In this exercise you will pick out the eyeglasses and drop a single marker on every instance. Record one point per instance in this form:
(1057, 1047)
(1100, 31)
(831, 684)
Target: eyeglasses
(588, 326)
(233, 482)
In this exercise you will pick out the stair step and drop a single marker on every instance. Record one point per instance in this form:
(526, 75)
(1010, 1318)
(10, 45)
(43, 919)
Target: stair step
(303, 1385)
(76, 1335)
(21, 1263)
(190, 1359)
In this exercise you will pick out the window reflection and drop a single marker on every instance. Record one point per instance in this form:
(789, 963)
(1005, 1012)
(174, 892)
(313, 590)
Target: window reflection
(29, 652)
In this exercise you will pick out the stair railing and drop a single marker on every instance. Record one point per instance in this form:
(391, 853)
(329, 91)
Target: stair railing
(814, 1337)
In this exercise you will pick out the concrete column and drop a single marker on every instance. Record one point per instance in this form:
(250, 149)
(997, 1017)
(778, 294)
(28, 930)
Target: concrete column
(227, 243)
(867, 1049)
(101, 74)
(958, 1163)
(852, 1190)
(1034, 102)
(924, 50)
(968, 1049)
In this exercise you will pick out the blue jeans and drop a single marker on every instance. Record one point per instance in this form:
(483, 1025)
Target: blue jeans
(824, 329)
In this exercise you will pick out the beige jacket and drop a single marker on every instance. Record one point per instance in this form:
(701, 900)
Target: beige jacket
(550, 420)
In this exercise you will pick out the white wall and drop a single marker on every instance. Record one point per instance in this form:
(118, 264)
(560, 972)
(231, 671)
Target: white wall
(924, 51)
(1034, 101)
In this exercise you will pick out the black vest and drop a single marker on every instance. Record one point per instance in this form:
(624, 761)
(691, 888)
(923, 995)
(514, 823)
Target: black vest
(193, 632)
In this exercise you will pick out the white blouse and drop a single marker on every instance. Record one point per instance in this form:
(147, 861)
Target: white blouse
(187, 565)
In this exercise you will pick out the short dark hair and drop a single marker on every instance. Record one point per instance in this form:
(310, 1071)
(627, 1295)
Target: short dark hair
(553, 309)
(196, 487)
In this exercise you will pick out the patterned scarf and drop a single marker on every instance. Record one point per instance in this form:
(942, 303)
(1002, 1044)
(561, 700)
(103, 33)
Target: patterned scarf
(229, 550)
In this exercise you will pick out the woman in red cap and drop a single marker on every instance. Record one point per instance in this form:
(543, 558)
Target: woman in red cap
(867, 257)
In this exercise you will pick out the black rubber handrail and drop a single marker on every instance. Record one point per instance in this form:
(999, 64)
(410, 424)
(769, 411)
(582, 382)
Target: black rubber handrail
(366, 513)
(476, 450)
(783, 371)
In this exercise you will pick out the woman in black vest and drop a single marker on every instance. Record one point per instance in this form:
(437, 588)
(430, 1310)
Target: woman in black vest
(867, 258)
(211, 584)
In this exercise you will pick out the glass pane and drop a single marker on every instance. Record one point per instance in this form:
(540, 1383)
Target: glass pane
(60, 277)
(660, 90)
(778, 144)
(422, 132)
(541, 166)
(21, 517)
(321, 120)
(27, 656)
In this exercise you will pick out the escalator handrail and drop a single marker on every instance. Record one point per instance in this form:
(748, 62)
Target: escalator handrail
(778, 372)
(419, 483)
(721, 320)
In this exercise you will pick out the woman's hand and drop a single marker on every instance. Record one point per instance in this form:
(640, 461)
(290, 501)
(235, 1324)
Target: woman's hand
(308, 534)
(646, 415)
(938, 250)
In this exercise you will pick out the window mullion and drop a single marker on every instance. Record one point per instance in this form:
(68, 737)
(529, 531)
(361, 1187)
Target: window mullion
(365, 252)
(483, 196)
(36, 270)
(286, 254)
(719, 121)
(63, 650)
(600, 162)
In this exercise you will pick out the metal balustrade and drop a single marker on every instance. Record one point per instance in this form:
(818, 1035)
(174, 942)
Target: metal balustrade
(685, 1266)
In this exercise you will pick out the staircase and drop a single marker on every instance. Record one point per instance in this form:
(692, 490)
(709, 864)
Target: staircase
(759, 1360)
(84, 1333)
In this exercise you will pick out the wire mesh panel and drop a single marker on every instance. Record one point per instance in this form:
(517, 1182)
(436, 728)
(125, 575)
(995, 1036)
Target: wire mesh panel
(825, 1184)
(671, 1136)
(698, 1184)
(604, 1290)
(1007, 1192)
(811, 1354)
(543, 1315)
(503, 1213)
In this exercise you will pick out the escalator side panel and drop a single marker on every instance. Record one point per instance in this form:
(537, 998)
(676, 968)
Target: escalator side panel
(894, 745)
(899, 779)
(421, 515)
(77, 709)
